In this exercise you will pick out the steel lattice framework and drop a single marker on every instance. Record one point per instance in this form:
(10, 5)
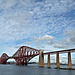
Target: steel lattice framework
(22, 56)
(4, 58)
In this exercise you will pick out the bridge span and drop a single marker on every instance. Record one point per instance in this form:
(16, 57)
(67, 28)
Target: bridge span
(69, 51)
(24, 54)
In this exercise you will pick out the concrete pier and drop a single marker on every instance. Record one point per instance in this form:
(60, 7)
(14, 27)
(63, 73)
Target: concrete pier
(48, 62)
(41, 59)
(57, 61)
(69, 60)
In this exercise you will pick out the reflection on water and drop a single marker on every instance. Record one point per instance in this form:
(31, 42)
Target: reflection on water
(32, 69)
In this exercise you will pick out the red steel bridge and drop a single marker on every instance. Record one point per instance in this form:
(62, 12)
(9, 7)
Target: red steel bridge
(24, 54)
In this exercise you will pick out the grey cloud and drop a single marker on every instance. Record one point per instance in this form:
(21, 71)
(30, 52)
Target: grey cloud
(27, 42)
(64, 43)
(43, 38)
(61, 45)
(5, 4)
(50, 42)
(22, 18)
(71, 34)
(67, 42)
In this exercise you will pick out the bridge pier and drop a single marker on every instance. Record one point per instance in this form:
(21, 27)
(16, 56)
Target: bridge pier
(57, 61)
(41, 59)
(69, 60)
(48, 62)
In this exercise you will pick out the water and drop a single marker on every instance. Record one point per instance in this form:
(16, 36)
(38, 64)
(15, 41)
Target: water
(32, 69)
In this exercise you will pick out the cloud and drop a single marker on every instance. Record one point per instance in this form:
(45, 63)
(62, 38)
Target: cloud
(22, 18)
(41, 42)
(17, 46)
(44, 38)
(64, 43)
(54, 7)
(64, 57)
(5, 4)
(27, 42)
(27, 19)
(35, 21)
(50, 42)
(68, 41)
(71, 34)
(60, 46)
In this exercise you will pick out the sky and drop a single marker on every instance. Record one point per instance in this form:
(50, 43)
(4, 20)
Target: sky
(40, 24)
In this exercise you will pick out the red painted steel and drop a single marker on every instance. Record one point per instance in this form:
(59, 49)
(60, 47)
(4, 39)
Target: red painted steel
(4, 58)
(22, 56)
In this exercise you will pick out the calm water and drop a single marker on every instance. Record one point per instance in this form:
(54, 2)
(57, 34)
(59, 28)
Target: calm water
(33, 70)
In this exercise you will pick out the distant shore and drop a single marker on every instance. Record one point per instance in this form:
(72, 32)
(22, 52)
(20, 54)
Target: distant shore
(38, 63)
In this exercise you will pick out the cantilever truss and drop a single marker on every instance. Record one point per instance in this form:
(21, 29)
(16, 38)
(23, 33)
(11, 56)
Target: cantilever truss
(22, 56)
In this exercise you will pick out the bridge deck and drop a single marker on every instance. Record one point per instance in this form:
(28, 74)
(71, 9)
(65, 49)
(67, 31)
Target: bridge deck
(61, 51)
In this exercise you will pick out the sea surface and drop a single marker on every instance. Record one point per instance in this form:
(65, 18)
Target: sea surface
(33, 69)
